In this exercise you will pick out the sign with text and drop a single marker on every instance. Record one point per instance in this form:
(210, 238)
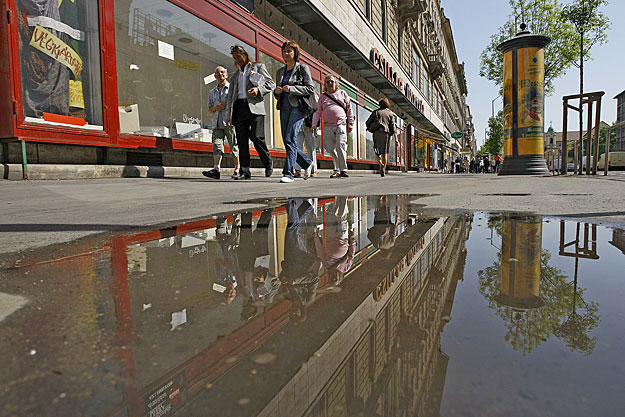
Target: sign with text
(55, 48)
(387, 70)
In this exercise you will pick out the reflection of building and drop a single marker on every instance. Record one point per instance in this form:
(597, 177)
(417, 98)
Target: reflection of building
(395, 365)
(618, 239)
(140, 91)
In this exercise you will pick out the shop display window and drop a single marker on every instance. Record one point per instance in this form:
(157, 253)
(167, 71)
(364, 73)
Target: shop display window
(352, 138)
(273, 131)
(166, 60)
(365, 138)
(59, 46)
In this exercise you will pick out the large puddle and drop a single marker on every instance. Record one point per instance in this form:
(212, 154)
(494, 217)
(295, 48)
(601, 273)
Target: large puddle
(341, 306)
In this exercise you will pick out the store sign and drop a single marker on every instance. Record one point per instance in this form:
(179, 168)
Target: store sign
(389, 279)
(166, 398)
(387, 70)
(457, 135)
(55, 48)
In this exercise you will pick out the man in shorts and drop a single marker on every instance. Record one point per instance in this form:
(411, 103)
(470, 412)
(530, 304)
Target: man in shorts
(217, 99)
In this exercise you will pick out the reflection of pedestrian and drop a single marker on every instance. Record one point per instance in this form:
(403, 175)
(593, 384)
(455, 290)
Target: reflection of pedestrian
(338, 253)
(254, 259)
(301, 266)
(382, 136)
(246, 109)
(382, 234)
(338, 120)
(225, 260)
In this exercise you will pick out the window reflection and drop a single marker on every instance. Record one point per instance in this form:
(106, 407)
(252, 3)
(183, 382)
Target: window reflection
(273, 132)
(166, 59)
(365, 138)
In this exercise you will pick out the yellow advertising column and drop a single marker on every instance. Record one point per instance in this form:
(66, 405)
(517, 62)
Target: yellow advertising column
(523, 102)
(521, 245)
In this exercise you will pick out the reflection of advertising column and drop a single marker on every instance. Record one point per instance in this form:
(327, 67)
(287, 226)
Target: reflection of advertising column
(524, 80)
(520, 263)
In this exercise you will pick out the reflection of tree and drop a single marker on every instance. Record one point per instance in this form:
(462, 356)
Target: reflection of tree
(527, 329)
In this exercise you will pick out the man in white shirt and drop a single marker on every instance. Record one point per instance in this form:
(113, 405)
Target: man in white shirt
(245, 109)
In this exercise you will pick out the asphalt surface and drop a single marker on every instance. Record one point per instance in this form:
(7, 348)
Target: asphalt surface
(37, 214)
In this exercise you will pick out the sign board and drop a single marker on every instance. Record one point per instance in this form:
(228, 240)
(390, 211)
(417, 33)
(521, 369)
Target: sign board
(457, 135)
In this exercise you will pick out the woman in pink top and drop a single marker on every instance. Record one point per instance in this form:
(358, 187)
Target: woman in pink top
(338, 120)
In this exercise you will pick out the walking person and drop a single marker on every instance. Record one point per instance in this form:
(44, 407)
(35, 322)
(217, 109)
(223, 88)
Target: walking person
(292, 81)
(384, 119)
(245, 109)
(306, 140)
(338, 121)
(498, 160)
(217, 100)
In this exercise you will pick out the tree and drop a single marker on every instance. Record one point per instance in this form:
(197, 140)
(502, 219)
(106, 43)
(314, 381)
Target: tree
(548, 18)
(494, 143)
(590, 24)
(602, 132)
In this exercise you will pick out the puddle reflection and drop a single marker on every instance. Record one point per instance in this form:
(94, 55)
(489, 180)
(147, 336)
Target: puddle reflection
(337, 306)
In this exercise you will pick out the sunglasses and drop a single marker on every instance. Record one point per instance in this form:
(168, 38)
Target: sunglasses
(237, 48)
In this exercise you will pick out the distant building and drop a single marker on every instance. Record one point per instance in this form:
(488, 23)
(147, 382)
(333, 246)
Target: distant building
(620, 117)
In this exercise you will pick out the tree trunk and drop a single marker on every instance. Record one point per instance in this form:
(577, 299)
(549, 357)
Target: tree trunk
(579, 142)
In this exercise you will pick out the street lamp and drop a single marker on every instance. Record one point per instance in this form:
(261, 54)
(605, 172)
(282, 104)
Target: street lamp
(492, 105)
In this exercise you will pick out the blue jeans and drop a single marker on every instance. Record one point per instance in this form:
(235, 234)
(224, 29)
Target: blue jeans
(291, 121)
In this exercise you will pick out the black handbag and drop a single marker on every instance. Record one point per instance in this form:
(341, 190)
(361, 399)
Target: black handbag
(373, 122)
(307, 104)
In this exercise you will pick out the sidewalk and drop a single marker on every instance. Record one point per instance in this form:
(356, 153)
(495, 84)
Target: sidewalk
(34, 214)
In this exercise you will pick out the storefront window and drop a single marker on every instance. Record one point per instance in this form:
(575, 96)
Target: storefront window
(352, 138)
(273, 131)
(60, 62)
(166, 59)
(365, 138)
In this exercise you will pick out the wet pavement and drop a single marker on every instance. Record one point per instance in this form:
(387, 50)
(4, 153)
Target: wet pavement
(329, 306)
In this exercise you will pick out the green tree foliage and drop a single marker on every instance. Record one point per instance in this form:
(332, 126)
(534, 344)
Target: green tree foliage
(547, 18)
(494, 143)
(602, 133)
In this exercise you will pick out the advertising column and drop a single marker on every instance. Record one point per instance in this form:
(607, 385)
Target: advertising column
(524, 82)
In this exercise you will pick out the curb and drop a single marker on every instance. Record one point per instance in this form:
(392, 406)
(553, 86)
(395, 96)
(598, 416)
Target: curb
(85, 172)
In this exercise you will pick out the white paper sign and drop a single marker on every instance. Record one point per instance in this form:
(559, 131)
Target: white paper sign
(209, 79)
(262, 261)
(178, 318)
(166, 50)
(48, 22)
(219, 288)
(255, 78)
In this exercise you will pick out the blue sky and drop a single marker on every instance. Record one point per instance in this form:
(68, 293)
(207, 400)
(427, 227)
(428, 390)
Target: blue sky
(473, 22)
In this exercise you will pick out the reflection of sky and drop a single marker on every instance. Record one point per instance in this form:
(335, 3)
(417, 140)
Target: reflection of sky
(187, 23)
(486, 376)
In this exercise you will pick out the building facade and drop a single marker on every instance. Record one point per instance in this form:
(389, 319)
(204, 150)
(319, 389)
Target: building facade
(127, 82)
(620, 117)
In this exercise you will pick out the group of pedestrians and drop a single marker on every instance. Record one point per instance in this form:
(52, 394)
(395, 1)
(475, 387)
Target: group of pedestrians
(238, 116)
(483, 165)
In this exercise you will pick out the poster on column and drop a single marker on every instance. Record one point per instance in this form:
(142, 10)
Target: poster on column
(507, 104)
(530, 89)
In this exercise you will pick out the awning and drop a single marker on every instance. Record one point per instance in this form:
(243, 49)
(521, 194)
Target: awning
(310, 19)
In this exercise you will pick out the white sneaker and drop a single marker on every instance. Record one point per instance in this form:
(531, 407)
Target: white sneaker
(286, 179)
(306, 173)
